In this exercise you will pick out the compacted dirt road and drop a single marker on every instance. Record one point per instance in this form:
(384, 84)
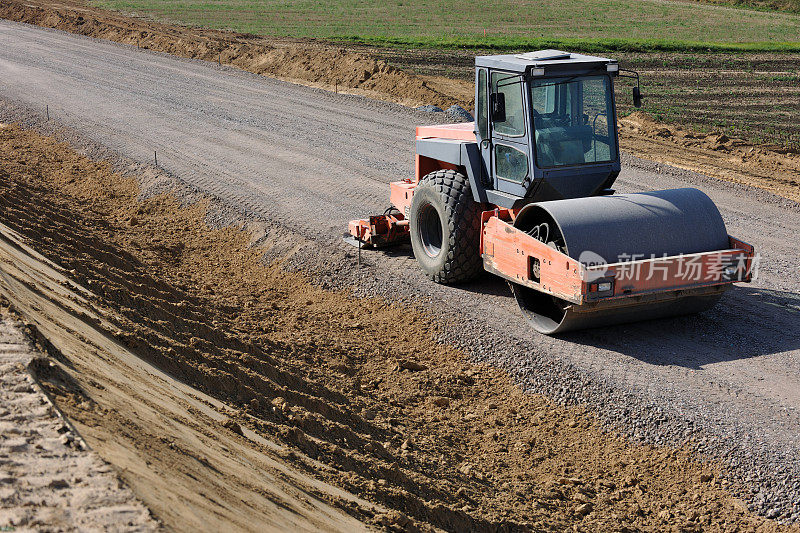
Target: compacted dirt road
(308, 160)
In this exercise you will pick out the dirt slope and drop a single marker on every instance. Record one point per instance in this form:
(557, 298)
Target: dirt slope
(217, 479)
(50, 480)
(347, 395)
(332, 68)
(775, 170)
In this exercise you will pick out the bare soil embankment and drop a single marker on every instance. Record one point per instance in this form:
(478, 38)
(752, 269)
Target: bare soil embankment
(50, 480)
(233, 393)
(716, 155)
(355, 69)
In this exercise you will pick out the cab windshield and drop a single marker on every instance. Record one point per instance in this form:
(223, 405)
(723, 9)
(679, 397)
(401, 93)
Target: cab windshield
(573, 121)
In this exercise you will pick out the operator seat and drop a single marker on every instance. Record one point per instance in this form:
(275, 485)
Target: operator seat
(558, 146)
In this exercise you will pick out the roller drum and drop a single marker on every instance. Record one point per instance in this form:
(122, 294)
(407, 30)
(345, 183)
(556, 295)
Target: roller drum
(616, 229)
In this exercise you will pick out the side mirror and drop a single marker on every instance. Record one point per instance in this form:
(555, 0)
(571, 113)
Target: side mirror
(498, 106)
(637, 97)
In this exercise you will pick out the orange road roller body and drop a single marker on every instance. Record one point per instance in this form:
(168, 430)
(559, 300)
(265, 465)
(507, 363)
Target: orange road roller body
(524, 193)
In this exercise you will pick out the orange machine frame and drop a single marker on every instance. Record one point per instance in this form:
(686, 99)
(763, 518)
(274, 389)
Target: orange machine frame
(402, 192)
(511, 254)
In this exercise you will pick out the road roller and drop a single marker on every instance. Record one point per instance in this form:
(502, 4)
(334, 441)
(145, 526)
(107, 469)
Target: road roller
(525, 192)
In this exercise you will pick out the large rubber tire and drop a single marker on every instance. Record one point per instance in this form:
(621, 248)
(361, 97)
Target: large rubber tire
(444, 222)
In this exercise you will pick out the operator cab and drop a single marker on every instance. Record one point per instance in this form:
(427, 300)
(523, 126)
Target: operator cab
(546, 124)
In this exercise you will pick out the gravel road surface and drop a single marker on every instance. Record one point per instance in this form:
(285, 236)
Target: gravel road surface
(307, 161)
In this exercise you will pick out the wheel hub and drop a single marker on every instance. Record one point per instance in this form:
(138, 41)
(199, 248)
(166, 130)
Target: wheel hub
(430, 230)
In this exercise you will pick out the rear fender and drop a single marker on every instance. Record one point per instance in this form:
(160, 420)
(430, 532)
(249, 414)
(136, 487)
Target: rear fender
(435, 154)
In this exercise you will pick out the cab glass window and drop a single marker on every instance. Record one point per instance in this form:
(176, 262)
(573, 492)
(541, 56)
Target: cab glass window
(482, 105)
(573, 121)
(544, 100)
(511, 87)
(510, 163)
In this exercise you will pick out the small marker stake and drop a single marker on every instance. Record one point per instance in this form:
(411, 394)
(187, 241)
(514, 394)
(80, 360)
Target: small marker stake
(219, 59)
(155, 156)
(47, 110)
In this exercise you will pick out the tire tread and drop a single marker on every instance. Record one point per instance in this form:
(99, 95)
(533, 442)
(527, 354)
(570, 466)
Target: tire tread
(463, 258)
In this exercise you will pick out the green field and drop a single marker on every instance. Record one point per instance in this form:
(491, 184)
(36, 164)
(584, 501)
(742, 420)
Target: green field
(591, 25)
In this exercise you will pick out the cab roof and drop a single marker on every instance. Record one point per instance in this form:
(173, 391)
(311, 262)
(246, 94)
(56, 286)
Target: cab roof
(550, 60)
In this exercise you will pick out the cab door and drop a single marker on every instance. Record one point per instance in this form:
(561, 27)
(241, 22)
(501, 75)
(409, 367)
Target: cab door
(482, 129)
(510, 146)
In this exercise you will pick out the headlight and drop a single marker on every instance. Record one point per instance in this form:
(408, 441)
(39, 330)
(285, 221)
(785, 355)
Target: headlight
(601, 287)
(729, 272)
